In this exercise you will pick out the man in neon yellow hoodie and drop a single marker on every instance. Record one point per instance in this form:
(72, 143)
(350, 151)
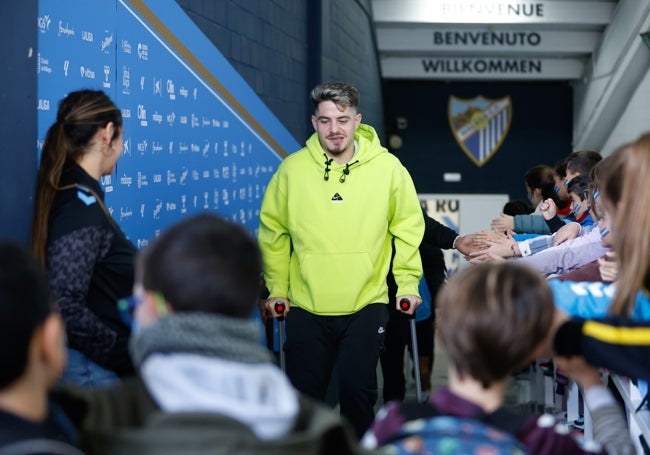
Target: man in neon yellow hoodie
(329, 217)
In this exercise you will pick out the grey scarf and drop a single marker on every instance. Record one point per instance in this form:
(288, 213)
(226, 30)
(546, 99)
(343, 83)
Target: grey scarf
(206, 334)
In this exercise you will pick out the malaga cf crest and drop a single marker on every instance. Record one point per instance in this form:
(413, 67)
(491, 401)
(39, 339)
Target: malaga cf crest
(480, 125)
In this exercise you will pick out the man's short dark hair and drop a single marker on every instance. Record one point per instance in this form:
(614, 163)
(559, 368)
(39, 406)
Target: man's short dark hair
(204, 264)
(340, 93)
(24, 305)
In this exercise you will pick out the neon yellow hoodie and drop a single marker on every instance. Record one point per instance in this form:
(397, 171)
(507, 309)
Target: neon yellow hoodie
(326, 244)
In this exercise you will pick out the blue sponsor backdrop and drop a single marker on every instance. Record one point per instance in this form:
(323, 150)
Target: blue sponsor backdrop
(196, 138)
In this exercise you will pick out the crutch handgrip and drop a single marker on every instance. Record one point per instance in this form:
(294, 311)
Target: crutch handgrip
(280, 307)
(405, 305)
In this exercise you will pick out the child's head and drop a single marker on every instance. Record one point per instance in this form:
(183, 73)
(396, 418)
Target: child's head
(579, 189)
(202, 264)
(492, 318)
(31, 335)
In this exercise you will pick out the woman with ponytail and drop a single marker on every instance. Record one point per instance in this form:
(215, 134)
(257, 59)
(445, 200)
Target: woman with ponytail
(88, 258)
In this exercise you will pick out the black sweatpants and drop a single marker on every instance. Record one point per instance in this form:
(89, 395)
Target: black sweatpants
(316, 343)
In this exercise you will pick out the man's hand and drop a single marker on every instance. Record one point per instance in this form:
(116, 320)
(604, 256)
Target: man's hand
(481, 238)
(503, 223)
(466, 244)
(270, 306)
(415, 302)
(501, 246)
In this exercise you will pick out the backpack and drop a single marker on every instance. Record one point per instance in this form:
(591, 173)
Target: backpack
(436, 434)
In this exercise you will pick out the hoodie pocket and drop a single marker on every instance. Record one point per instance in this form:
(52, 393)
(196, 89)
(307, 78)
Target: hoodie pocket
(335, 282)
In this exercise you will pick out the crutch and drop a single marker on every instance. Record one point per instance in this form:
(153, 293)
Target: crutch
(405, 304)
(279, 308)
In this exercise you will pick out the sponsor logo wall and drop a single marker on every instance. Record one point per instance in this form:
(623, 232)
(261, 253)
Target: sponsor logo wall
(195, 138)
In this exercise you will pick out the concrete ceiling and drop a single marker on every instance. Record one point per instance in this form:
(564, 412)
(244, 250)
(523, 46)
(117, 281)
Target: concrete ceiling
(489, 39)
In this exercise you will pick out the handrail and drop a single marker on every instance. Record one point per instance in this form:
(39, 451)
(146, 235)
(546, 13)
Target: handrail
(622, 384)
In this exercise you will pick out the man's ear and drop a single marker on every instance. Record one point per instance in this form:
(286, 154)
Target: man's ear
(53, 346)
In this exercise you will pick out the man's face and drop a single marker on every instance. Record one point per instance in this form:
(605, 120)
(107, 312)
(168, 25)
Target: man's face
(335, 126)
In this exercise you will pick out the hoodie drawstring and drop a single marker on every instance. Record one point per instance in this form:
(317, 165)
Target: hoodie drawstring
(326, 177)
(346, 171)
